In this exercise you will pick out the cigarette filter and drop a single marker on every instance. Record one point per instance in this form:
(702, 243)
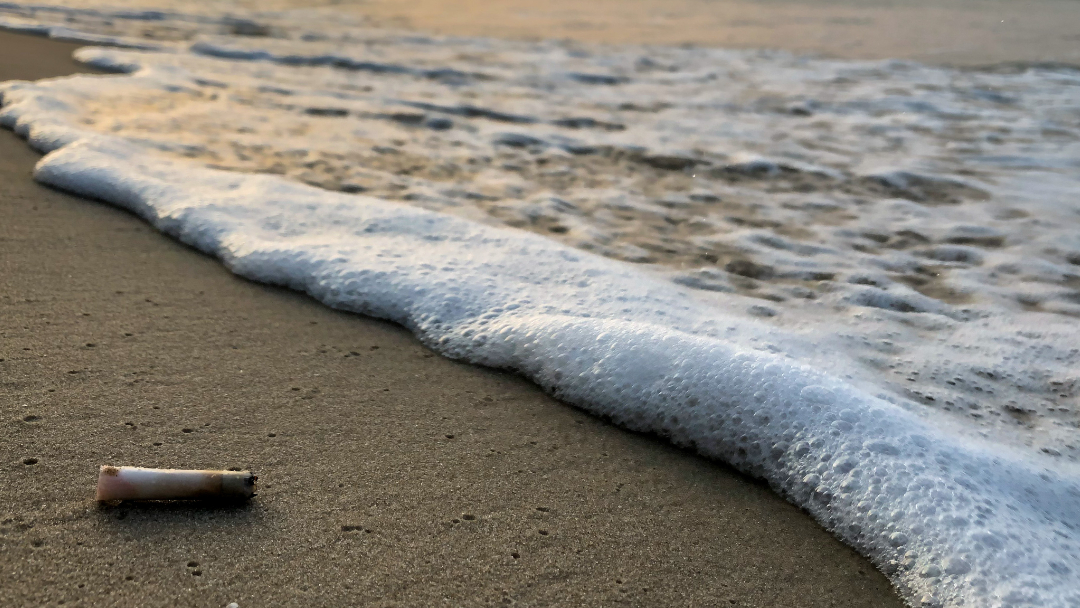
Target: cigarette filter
(137, 483)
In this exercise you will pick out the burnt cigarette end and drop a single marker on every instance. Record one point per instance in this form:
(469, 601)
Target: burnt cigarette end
(238, 484)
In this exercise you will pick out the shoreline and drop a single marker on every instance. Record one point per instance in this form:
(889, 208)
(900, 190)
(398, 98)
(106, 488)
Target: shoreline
(967, 33)
(386, 471)
(978, 34)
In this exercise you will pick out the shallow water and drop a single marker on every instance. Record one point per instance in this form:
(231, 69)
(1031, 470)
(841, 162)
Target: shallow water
(860, 281)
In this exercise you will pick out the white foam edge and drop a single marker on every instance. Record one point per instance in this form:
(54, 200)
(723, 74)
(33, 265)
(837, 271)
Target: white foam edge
(952, 521)
(65, 34)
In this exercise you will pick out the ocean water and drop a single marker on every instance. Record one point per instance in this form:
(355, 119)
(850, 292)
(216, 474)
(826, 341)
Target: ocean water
(859, 281)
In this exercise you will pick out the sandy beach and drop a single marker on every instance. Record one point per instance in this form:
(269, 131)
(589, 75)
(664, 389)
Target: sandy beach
(389, 476)
(855, 280)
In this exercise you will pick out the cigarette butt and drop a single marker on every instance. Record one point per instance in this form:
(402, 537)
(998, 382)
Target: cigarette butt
(137, 483)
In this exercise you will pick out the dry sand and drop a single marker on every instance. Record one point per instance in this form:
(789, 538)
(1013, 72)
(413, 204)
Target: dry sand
(390, 476)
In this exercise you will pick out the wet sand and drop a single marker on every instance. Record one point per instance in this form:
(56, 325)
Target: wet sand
(389, 476)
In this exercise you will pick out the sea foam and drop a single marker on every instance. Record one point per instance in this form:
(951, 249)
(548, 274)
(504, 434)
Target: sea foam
(955, 514)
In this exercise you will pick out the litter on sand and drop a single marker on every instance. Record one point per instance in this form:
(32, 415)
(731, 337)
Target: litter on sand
(138, 483)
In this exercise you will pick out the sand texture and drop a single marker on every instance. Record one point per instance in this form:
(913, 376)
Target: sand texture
(389, 476)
